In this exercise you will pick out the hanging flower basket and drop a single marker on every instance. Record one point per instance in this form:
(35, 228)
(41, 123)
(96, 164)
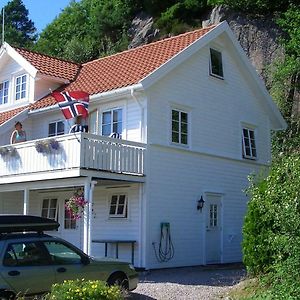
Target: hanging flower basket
(8, 151)
(75, 205)
(47, 146)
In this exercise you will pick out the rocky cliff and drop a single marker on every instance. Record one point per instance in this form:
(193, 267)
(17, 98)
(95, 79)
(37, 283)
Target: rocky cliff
(258, 37)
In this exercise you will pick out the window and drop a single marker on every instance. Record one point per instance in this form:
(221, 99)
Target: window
(4, 92)
(216, 66)
(56, 128)
(62, 254)
(213, 215)
(112, 122)
(249, 147)
(49, 208)
(25, 254)
(21, 87)
(69, 222)
(179, 127)
(118, 206)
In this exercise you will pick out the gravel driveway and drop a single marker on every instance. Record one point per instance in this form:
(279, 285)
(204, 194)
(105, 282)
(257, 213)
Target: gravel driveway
(203, 283)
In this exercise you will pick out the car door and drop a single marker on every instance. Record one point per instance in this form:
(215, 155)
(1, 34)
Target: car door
(69, 263)
(27, 267)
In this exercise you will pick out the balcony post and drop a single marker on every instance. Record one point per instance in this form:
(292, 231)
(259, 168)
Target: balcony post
(87, 187)
(26, 202)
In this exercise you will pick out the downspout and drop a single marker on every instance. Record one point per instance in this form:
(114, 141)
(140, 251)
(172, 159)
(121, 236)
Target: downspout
(90, 223)
(26, 202)
(142, 114)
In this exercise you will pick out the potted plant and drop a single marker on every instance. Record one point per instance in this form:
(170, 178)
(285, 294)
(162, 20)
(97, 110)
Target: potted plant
(75, 205)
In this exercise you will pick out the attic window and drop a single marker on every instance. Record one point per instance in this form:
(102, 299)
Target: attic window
(249, 144)
(21, 87)
(216, 65)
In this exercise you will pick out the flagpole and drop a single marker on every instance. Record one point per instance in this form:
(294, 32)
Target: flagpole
(3, 12)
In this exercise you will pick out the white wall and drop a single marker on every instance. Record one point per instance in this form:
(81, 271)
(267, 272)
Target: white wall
(178, 176)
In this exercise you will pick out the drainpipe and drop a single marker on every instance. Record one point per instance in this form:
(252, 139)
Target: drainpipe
(26, 202)
(90, 223)
(87, 188)
(142, 113)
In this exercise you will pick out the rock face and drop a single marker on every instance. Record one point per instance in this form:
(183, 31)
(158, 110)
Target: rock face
(142, 31)
(258, 37)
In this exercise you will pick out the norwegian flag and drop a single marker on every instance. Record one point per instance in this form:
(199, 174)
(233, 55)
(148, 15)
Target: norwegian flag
(73, 104)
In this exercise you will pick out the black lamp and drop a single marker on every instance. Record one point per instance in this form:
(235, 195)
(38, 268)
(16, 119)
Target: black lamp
(200, 203)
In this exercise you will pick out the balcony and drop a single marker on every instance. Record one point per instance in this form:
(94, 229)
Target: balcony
(72, 155)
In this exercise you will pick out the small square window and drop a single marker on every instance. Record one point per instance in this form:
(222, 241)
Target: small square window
(56, 128)
(216, 65)
(249, 144)
(49, 209)
(179, 127)
(118, 206)
(112, 123)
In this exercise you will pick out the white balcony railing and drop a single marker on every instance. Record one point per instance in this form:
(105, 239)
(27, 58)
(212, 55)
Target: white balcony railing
(80, 151)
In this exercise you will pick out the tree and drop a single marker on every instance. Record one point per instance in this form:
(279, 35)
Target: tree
(88, 29)
(19, 29)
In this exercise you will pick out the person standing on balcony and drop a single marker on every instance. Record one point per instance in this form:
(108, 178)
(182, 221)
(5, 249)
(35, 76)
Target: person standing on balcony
(18, 135)
(80, 125)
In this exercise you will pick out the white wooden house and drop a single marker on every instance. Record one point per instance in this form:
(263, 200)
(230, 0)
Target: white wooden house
(195, 120)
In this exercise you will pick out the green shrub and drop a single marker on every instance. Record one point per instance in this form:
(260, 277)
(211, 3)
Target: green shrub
(84, 290)
(271, 231)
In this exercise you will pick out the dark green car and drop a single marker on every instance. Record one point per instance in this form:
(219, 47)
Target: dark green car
(32, 262)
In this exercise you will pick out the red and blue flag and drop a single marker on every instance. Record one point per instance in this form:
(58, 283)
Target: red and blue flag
(73, 104)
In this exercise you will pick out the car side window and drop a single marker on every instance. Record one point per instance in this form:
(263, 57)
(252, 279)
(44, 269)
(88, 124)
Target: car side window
(62, 254)
(25, 254)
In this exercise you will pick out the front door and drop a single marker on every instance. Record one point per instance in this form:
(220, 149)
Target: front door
(213, 229)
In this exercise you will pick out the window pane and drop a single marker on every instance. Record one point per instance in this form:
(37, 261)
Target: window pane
(45, 203)
(106, 130)
(120, 210)
(18, 80)
(175, 137)
(184, 117)
(184, 128)
(114, 200)
(184, 139)
(53, 203)
(106, 119)
(216, 62)
(60, 128)
(112, 209)
(117, 115)
(175, 126)
(175, 115)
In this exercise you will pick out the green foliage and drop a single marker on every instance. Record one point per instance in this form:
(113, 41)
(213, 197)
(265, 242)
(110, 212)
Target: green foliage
(253, 7)
(285, 83)
(19, 29)
(88, 29)
(272, 229)
(84, 290)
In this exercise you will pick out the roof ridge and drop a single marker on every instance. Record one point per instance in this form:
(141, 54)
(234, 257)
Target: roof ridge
(150, 44)
(47, 55)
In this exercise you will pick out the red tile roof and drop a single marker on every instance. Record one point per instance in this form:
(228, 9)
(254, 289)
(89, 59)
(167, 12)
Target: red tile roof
(112, 72)
(128, 67)
(7, 115)
(51, 66)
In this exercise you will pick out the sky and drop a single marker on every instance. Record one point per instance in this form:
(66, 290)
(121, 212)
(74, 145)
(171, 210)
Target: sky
(42, 12)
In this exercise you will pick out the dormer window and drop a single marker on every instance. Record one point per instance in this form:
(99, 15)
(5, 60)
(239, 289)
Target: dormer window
(216, 65)
(4, 86)
(21, 87)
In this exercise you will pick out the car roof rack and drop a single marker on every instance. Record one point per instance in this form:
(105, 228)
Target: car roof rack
(26, 223)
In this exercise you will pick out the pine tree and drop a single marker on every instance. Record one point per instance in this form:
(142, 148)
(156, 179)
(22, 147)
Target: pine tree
(19, 29)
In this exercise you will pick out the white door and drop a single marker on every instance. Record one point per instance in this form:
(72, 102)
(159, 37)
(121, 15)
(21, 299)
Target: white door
(213, 229)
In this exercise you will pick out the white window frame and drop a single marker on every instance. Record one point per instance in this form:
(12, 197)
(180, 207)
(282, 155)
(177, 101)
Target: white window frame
(180, 110)
(124, 214)
(253, 150)
(48, 208)
(111, 110)
(20, 84)
(211, 73)
(5, 95)
(56, 127)
(72, 223)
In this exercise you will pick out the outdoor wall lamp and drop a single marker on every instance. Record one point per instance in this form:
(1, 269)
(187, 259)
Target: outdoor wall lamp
(200, 204)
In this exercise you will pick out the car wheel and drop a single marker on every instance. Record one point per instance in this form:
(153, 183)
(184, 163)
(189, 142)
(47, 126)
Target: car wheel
(7, 296)
(118, 279)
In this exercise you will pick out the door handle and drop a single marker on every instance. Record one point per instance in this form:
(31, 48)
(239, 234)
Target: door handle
(13, 273)
(61, 270)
